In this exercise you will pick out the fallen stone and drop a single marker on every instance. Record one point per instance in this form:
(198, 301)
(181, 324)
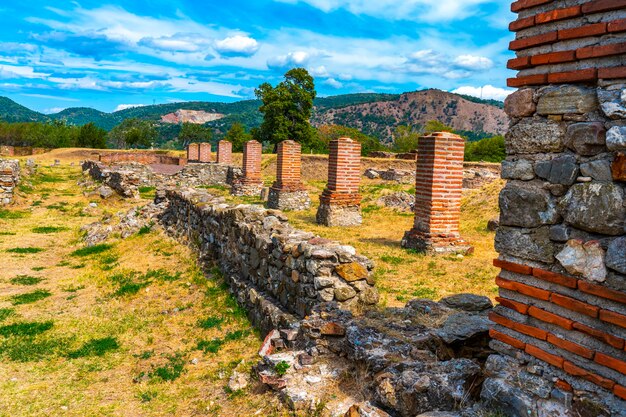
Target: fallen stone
(267, 348)
(585, 259)
(400, 200)
(238, 381)
(616, 255)
(274, 382)
(467, 302)
(333, 329)
(493, 224)
(595, 207)
(105, 192)
(372, 174)
(616, 138)
(351, 271)
(365, 409)
(462, 326)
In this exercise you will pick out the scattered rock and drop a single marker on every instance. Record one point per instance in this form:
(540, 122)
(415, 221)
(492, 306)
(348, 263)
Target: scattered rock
(585, 259)
(467, 302)
(365, 410)
(105, 192)
(493, 224)
(400, 200)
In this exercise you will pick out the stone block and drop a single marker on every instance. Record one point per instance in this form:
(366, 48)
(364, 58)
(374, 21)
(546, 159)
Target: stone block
(527, 205)
(560, 170)
(599, 170)
(616, 138)
(618, 167)
(613, 103)
(531, 244)
(535, 135)
(567, 99)
(520, 103)
(586, 138)
(518, 170)
(616, 255)
(585, 259)
(595, 207)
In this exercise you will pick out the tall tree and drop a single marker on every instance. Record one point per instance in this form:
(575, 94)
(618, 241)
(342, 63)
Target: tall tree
(91, 136)
(133, 133)
(237, 135)
(287, 109)
(405, 139)
(192, 132)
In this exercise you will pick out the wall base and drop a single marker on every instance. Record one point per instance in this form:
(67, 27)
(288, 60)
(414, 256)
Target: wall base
(288, 200)
(246, 188)
(329, 214)
(422, 242)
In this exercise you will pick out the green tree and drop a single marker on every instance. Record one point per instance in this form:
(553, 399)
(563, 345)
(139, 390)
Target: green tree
(287, 109)
(405, 139)
(327, 133)
(436, 126)
(488, 150)
(91, 136)
(133, 133)
(237, 135)
(192, 132)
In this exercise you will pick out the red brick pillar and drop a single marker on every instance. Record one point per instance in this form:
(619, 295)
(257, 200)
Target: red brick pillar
(193, 152)
(438, 188)
(250, 183)
(204, 152)
(288, 192)
(340, 203)
(224, 152)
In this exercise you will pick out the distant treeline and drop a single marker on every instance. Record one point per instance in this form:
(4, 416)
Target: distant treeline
(55, 134)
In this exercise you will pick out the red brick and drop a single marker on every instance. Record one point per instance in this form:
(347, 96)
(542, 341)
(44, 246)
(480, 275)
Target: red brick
(574, 305)
(520, 24)
(601, 50)
(601, 291)
(563, 385)
(505, 338)
(532, 291)
(575, 348)
(553, 360)
(527, 4)
(524, 43)
(617, 26)
(610, 362)
(585, 75)
(609, 339)
(612, 73)
(583, 31)
(558, 14)
(513, 267)
(613, 318)
(224, 152)
(553, 58)
(620, 391)
(579, 372)
(603, 6)
(555, 278)
(519, 63)
(550, 318)
(537, 79)
(513, 305)
(519, 327)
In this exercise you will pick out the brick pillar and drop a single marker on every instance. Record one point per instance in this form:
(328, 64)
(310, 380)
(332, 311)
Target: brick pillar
(438, 188)
(193, 152)
(204, 152)
(224, 152)
(561, 239)
(340, 203)
(288, 192)
(250, 183)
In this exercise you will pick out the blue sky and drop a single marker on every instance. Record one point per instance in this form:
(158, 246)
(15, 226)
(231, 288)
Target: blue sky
(112, 54)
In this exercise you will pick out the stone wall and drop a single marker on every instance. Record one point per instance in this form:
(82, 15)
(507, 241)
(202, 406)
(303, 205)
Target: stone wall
(9, 178)
(7, 150)
(561, 321)
(124, 182)
(278, 273)
(147, 158)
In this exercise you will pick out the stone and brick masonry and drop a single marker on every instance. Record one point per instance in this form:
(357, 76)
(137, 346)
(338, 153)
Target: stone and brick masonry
(224, 152)
(250, 183)
(340, 202)
(9, 179)
(288, 192)
(277, 272)
(193, 152)
(142, 157)
(560, 327)
(204, 152)
(438, 189)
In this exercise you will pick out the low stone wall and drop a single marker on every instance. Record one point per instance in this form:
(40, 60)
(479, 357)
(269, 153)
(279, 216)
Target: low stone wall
(140, 157)
(124, 182)
(9, 178)
(7, 150)
(278, 273)
(21, 150)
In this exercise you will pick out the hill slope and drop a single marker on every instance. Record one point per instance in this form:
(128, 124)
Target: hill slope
(10, 111)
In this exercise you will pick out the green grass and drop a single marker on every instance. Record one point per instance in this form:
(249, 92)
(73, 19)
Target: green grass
(211, 322)
(48, 229)
(30, 297)
(25, 280)
(12, 215)
(7, 233)
(108, 262)
(25, 250)
(25, 328)
(38, 268)
(31, 348)
(172, 370)
(145, 230)
(210, 346)
(147, 396)
(95, 347)
(5, 313)
(92, 250)
(281, 368)
(393, 260)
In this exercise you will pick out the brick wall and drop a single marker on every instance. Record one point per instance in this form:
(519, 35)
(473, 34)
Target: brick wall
(561, 240)
(204, 152)
(193, 152)
(344, 173)
(252, 152)
(224, 152)
(147, 158)
(288, 166)
(7, 150)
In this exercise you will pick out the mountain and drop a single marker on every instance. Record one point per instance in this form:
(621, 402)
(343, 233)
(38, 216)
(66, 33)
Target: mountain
(374, 114)
(379, 118)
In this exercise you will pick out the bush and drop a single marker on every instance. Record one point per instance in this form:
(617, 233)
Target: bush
(488, 150)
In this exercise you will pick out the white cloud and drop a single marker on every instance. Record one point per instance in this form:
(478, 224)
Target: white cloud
(237, 46)
(331, 82)
(53, 110)
(485, 92)
(292, 59)
(179, 42)
(127, 106)
(473, 63)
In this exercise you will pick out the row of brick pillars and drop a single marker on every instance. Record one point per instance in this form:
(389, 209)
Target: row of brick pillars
(201, 152)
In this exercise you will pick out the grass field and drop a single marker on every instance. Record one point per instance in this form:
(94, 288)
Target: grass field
(133, 328)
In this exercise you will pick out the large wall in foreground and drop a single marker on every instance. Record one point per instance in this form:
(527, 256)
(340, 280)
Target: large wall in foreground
(562, 238)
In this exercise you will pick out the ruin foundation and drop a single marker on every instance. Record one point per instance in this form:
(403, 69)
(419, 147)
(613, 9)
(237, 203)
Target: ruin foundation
(282, 199)
(288, 192)
(250, 183)
(9, 179)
